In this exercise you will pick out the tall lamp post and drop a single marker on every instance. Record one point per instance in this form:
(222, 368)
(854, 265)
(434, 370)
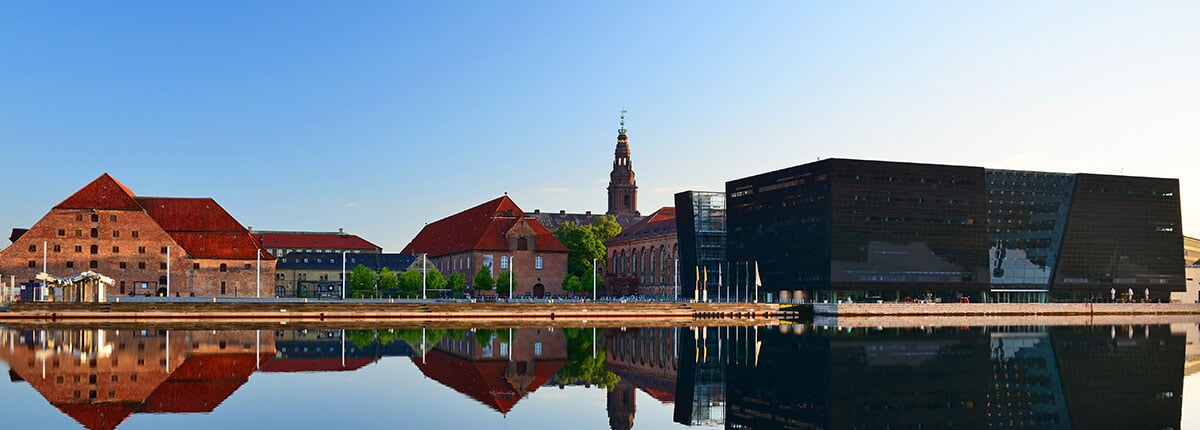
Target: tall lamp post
(343, 275)
(423, 274)
(593, 279)
(512, 266)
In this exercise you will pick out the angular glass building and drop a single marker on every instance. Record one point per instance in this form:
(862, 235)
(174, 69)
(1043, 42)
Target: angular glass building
(842, 229)
(700, 225)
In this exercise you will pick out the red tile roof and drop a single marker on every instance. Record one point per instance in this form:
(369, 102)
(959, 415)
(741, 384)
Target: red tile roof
(189, 214)
(480, 228)
(314, 241)
(485, 381)
(660, 223)
(201, 383)
(201, 226)
(98, 416)
(102, 193)
(287, 365)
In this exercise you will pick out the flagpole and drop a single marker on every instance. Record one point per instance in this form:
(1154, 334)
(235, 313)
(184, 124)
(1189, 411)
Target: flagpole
(757, 281)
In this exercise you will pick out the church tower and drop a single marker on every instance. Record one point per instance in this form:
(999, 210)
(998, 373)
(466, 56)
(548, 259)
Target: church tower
(622, 188)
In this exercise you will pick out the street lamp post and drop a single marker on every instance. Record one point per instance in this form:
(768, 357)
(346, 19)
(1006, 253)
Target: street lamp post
(512, 266)
(423, 274)
(593, 279)
(343, 275)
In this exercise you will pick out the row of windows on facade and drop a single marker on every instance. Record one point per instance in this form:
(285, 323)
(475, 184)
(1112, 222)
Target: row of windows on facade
(304, 276)
(95, 232)
(279, 252)
(95, 264)
(635, 263)
(95, 249)
(462, 263)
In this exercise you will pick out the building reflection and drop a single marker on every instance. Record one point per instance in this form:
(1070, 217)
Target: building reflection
(645, 359)
(329, 350)
(705, 355)
(496, 368)
(101, 377)
(1056, 377)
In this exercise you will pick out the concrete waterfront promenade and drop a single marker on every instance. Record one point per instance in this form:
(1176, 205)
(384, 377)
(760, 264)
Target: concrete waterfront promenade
(997, 314)
(347, 311)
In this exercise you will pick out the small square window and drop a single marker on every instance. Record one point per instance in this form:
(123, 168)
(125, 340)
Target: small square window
(116, 233)
(162, 266)
(95, 217)
(134, 233)
(163, 250)
(32, 248)
(57, 248)
(70, 264)
(78, 248)
(141, 250)
(116, 250)
(78, 232)
(32, 263)
(94, 264)
(112, 218)
(121, 265)
(62, 232)
(195, 266)
(141, 264)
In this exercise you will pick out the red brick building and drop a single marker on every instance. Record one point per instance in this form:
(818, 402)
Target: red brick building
(105, 228)
(641, 260)
(496, 234)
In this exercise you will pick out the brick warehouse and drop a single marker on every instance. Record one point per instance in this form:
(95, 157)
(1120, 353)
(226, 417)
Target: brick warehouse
(492, 233)
(105, 228)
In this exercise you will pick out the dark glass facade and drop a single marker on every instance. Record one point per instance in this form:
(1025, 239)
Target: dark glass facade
(700, 225)
(947, 378)
(873, 230)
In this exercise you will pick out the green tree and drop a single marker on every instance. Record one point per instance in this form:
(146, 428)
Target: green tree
(410, 282)
(502, 279)
(457, 283)
(483, 280)
(605, 228)
(571, 283)
(388, 281)
(582, 365)
(362, 281)
(582, 247)
(586, 280)
(434, 279)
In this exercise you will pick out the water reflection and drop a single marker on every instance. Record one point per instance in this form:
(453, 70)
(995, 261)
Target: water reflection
(795, 376)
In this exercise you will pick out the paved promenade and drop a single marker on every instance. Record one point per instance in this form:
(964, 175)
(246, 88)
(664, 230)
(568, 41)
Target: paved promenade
(250, 311)
(1000, 314)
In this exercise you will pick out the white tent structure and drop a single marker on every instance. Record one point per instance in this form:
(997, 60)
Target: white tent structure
(86, 286)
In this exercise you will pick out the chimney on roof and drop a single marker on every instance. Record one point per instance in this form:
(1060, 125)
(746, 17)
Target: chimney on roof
(562, 212)
(341, 231)
(537, 211)
(589, 213)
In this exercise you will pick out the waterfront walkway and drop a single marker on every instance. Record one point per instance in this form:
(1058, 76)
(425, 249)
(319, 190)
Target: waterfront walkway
(231, 311)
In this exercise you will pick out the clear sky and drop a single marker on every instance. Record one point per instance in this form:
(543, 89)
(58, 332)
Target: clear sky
(379, 117)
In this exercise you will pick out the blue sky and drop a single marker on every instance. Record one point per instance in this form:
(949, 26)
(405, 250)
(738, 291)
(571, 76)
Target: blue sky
(379, 117)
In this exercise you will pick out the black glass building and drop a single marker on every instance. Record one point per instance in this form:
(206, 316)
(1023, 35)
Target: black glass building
(871, 230)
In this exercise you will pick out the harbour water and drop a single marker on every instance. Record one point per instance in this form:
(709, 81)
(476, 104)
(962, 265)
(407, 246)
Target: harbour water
(744, 377)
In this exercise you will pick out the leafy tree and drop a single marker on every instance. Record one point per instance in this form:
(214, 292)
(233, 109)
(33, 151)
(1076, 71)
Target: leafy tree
(483, 280)
(484, 336)
(586, 280)
(410, 282)
(457, 283)
(605, 228)
(434, 279)
(388, 280)
(582, 245)
(582, 365)
(502, 279)
(362, 281)
(571, 283)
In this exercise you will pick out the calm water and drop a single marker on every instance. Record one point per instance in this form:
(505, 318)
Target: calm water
(793, 376)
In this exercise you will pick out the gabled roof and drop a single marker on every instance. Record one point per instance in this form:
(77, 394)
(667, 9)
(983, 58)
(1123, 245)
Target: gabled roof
(102, 193)
(98, 416)
(189, 214)
(201, 383)
(314, 240)
(198, 224)
(488, 382)
(220, 245)
(660, 223)
(480, 228)
(306, 364)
